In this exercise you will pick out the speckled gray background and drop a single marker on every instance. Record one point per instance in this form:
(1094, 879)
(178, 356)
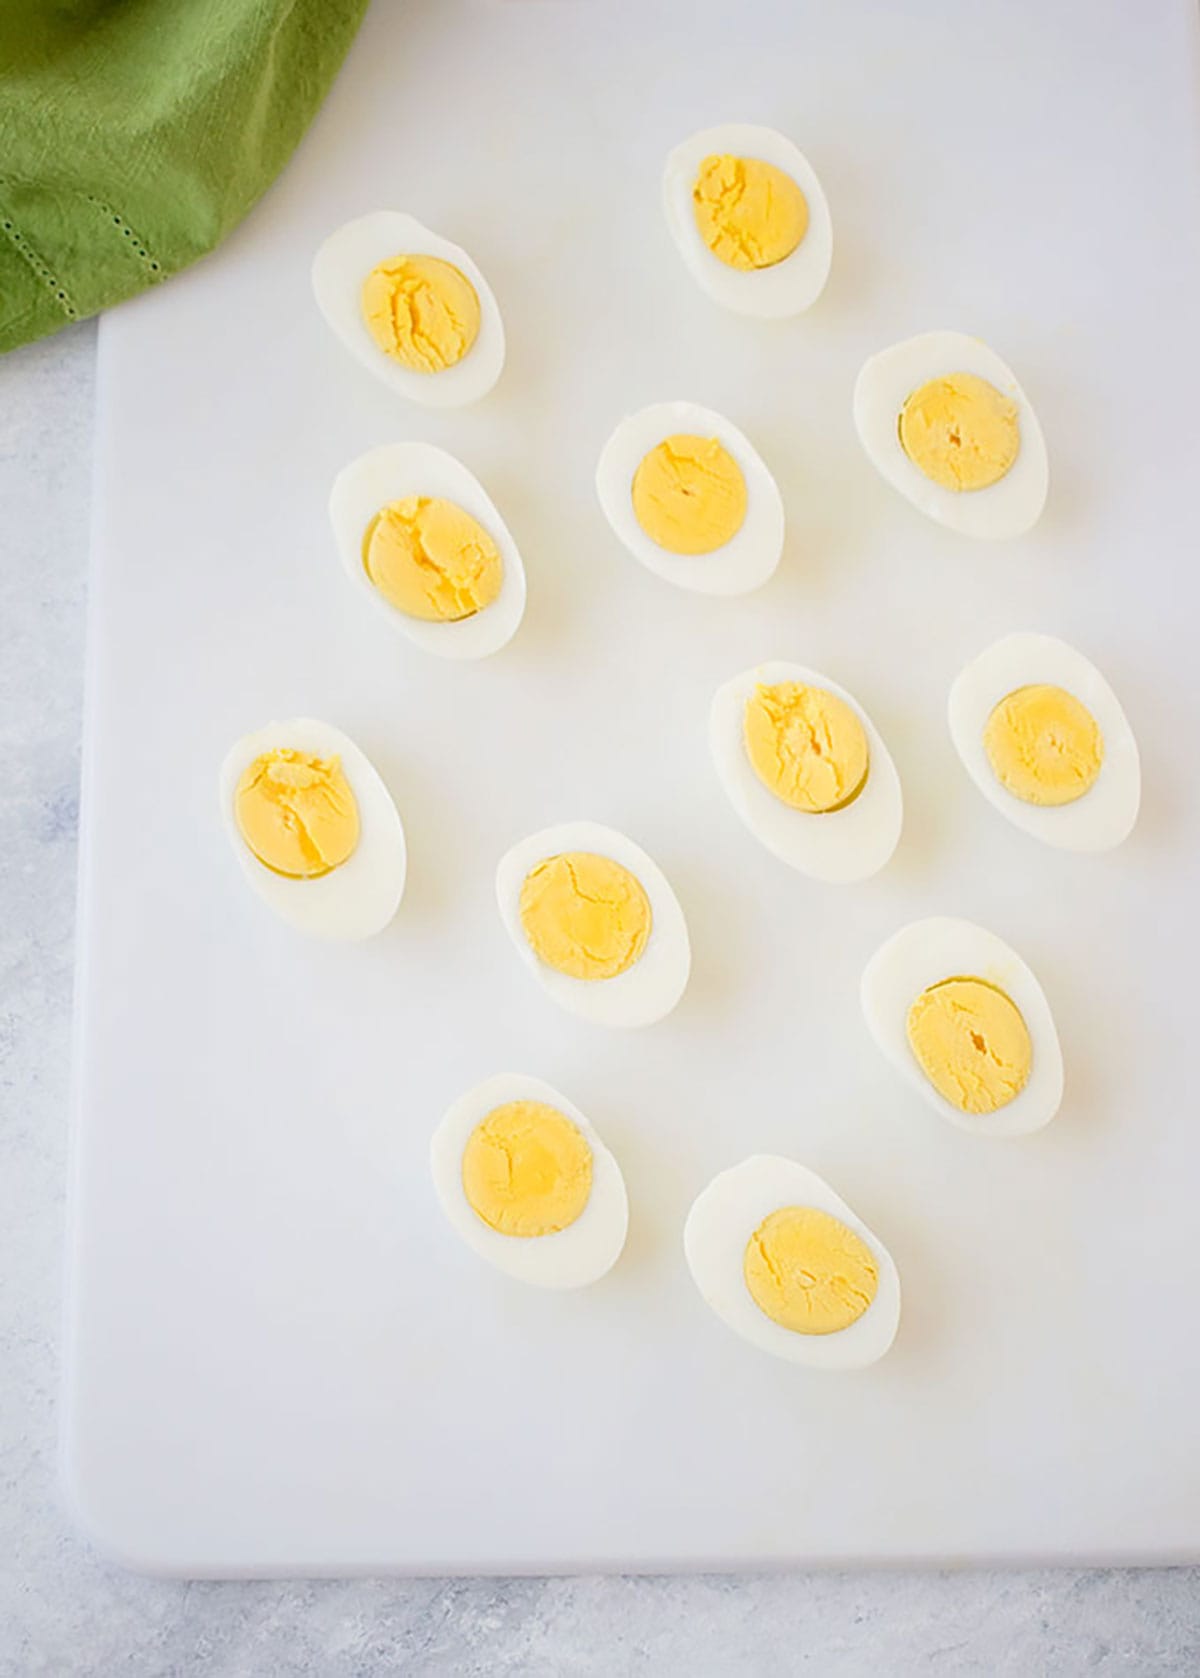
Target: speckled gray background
(64, 1611)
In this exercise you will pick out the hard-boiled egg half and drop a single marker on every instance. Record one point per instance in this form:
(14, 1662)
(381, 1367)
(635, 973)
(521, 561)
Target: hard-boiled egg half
(1045, 740)
(421, 536)
(750, 219)
(807, 771)
(412, 307)
(524, 1179)
(944, 420)
(314, 828)
(786, 1264)
(597, 923)
(689, 495)
(963, 1019)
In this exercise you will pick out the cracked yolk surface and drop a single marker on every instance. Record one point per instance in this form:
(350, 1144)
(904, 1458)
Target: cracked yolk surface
(689, 495)
(749, 213)
(806, 746)
(971, 1042)
(527, 1170)
(585, 915)
(808, 1271)
(1044, 745)
(297, 813)
(421, 311)
(960, 431)
(432, 560)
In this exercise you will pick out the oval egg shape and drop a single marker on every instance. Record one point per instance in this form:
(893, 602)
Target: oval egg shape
(929, 953)
(396, 472)
(750, 556)
(646, 991)
(357, 898)
(783, 288)
(840, 845)
(1006, 508)
(572, 1257)
(340, 269)
(718, 1230)
(1102, 816)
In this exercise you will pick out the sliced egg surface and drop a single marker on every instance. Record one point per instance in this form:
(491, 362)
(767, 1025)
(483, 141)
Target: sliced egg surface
(963, 1019)
(420, 536)
(314, 828)
(690, 496)
(786, 1264)
(412, 308)
(525, 1180)
(750, 219)
(841, 817)
(596, 922)
(945, 422)
(1044, 738)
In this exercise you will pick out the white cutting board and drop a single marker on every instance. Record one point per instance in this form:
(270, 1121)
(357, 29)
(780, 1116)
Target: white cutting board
(280, 1357)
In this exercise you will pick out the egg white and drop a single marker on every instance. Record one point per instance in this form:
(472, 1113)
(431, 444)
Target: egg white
(1105, 815)
(357, 899)
(786, 288)
(1007, 508)
(339, 270)
(570, 1258)
(721, 1222)
(750, 556)
(645, 992)
(925, 953)
(397, 470)
(840, 846)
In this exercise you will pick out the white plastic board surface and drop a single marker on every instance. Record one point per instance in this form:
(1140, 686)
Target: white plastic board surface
(280, 1358)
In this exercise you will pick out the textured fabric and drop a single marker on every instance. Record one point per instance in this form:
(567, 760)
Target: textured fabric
(135, 133)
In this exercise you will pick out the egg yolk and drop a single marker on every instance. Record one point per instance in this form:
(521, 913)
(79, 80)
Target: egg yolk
(689, 495)
(971, 1042)
(585, 915)
(808, 1272)
(421, 311)
(749, 213)
(432, 560)
(297, 813)
(960, 431)
(1044, 745)
(806, 746)
(527, 1170)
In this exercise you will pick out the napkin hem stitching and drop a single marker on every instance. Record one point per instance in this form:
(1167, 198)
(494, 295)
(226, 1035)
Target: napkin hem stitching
(33, 259)
(146, 257)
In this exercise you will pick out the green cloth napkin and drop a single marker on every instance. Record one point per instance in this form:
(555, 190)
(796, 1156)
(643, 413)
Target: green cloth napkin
(135, 133)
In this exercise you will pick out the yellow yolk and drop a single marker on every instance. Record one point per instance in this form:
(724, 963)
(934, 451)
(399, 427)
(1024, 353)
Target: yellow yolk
(689, 495)
(527, 1170)
(1044, 745)
(749, 213)
(421, 311)
(972, 1044)
(431, 560)
(960, 431)
(806, 746)
(808, 1272)
(585, 915)
(297, 813)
